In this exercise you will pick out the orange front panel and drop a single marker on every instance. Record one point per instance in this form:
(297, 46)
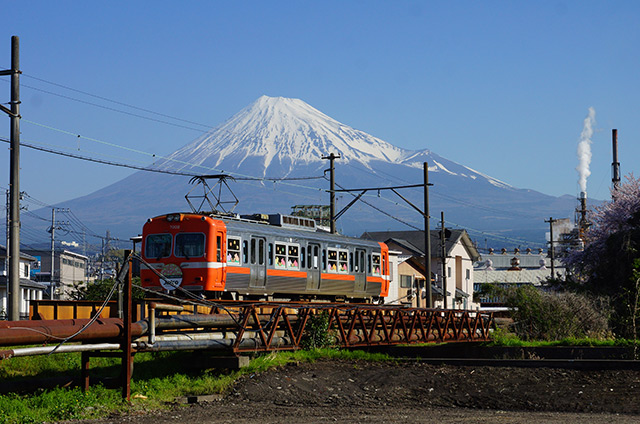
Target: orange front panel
(206, 270)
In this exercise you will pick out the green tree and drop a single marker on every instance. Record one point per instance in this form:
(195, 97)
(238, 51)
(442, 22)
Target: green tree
(609, 263)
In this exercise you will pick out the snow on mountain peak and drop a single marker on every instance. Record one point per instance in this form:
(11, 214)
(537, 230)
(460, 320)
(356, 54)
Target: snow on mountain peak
(289, 132)
(285, 130)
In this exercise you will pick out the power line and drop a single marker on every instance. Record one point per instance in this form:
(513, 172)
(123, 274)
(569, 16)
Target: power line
(160, 171)
(116, 110)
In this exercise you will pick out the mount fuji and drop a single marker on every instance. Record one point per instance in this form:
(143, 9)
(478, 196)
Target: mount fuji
(274, 149)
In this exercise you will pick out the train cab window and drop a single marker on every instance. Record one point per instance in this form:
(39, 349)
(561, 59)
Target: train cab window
(270, 254)
(245, 251)
(158, 246)
(302, 258)
(233, 251)
(293, 257)
(375, 258)
(281, 255)
(189, 245)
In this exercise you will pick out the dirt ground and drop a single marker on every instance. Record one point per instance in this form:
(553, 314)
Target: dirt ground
(365, 392)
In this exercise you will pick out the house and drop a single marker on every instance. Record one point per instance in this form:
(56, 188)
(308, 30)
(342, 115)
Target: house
(69, 268)
(407, 249)
(29, 290)
(514, 268)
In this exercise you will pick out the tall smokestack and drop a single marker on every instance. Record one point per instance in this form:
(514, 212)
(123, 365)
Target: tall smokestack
(615, 165)
(583, 224)
(584, 150)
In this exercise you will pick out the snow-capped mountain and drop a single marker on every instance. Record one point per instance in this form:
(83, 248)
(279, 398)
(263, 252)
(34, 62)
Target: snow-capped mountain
(285, 133)
(279, 137)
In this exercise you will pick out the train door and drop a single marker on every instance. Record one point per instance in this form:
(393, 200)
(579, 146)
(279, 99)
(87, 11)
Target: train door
(313, 262)
(360, 271)
(257, 262)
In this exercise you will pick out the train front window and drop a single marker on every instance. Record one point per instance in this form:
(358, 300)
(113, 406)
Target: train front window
(158, 246)
(189, 245)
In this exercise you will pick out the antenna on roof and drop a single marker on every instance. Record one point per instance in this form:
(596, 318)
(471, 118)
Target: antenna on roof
(209, 195)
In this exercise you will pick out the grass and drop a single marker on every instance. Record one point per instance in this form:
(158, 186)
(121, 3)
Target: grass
(158, 379)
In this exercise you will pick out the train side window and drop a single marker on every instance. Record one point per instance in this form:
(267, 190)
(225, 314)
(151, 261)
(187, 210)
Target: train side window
(293, 257)
(281, 255)
(261, 252)
(218, 248)
(333, 260)
(270, 254)
(324, 259)
(351, 261)
(302, 257)
(316, 256)
(245, 252)
(252, 252)
(233, 251)
(368, 264)
(342, 261)
(375, 258)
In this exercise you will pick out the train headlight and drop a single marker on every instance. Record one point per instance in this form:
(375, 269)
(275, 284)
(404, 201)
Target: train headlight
(174, 217)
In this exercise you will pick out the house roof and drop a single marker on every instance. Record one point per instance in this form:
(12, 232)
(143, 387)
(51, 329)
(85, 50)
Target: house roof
(24, 256)
(412, 242)
(25, 283)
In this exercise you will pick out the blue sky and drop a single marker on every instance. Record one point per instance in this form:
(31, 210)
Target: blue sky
(500, 86)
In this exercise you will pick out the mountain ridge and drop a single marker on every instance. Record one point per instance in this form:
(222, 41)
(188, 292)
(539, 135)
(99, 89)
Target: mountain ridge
(277, 137)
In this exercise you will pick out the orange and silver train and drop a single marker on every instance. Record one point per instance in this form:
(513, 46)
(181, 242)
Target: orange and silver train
(261, 257)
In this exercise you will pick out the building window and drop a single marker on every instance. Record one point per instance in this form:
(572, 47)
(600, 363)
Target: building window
(448, 272)
(406, 281)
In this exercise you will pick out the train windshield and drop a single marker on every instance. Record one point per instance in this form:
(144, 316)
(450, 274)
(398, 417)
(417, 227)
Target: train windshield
(189, 245)
(158, 246)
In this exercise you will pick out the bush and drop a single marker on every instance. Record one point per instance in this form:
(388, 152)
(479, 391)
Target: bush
(541, 315)
(316, 332)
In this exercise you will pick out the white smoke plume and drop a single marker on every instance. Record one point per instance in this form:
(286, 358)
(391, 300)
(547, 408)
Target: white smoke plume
(584, 149)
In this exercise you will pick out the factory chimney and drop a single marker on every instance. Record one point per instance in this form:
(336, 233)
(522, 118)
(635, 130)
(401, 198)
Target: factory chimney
(615, 165)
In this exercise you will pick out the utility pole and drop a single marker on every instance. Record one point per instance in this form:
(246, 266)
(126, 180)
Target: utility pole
(13, 250)
(443, 253)
(52, 286)
(6, 256)
(551, 221)
(427, 237)
(332, 192)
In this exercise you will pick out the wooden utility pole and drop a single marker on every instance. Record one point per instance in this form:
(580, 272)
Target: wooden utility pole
(13, 250)
(332, 191)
